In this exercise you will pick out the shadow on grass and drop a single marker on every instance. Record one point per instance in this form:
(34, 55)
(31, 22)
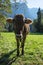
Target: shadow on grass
(4, 60)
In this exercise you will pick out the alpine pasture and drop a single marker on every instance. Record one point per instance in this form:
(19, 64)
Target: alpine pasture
(33, 50)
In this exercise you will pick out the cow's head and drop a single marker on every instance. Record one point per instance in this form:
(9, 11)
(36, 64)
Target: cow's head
(18, 24)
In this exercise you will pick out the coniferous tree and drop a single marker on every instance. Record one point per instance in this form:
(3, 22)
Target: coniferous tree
(38, 20)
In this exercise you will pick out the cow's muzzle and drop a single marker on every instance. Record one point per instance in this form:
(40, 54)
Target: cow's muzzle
(20, 36)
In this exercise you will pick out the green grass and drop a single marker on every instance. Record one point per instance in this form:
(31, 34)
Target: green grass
(33, 50)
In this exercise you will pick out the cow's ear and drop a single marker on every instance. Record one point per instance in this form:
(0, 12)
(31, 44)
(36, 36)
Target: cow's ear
(10, 20)
(28, 21)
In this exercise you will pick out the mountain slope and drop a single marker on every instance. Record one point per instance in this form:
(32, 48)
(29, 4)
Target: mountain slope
(22, 8)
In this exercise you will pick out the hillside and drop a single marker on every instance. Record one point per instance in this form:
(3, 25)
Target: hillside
(21, 8)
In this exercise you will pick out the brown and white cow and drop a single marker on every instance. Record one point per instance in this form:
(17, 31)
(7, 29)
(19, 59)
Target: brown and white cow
(21, 28)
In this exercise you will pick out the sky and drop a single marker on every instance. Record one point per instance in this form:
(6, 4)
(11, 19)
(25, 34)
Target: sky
(34, 3)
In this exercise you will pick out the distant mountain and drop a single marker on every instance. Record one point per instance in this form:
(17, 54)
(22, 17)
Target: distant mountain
(22, 8)
(33, 13)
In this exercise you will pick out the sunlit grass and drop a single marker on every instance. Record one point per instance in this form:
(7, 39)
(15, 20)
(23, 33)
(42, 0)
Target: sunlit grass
(33, 49)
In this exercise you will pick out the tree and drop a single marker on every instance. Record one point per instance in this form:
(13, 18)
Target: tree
(37, 23)
(39, 16)
(5, 5)
(38, 20)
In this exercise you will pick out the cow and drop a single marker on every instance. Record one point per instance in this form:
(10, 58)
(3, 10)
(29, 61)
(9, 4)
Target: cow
(21, 28)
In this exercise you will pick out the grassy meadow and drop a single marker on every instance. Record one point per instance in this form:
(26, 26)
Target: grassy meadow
(33, 50)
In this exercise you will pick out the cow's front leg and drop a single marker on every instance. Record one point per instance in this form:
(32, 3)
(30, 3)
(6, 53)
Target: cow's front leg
(17, 46)
(22, 44)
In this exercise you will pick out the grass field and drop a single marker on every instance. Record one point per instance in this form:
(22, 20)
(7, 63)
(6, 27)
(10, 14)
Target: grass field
(33, 50)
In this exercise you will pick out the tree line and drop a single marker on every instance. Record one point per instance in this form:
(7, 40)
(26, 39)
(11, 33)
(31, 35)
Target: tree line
(38, 23)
